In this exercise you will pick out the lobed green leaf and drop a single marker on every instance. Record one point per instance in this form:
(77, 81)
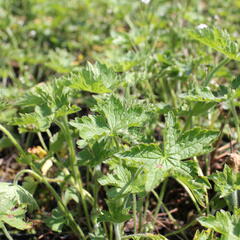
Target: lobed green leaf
(218, 39)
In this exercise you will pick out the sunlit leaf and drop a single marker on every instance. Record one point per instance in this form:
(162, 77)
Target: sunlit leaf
(224, 223)
(218, 39)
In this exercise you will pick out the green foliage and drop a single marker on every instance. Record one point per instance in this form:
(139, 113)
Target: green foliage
(116, 213)
(168, 161)
(116, 118)
(56, 142)
(30, 184)
(121, 114)
(91, 127)
(97, 153)
(202, 95)
(150, 236)
(14, 201)
(50, 102)
(97, 84)
(60, 61)
(226, 182)
(35, 122)
(204, 235)
(224, 223)
(3, 105)
(93, 78)
(56, 221)
(14, 217)
(16, 195)
(218, 39)
(124, 182)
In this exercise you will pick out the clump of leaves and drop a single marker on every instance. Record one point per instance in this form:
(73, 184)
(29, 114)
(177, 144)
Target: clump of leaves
(14, 202)
(224, 223)
(168, 161)
(204, 235)
(226, 182)
(218, 39)
(97, 78)
(117, 118)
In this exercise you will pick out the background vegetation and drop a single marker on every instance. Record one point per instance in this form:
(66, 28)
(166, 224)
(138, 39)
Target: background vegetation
(118, 118)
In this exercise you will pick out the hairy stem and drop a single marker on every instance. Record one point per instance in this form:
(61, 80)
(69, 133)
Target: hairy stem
(42, 141)
(235, 199)
(5, 231)
(235, 116)
(117, 230)
(74, 168)
(135, 212)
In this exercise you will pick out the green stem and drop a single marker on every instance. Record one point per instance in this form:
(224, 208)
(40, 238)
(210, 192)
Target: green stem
(160, 199)
(12, 139)
(189, 120)
(40, 137)
(117, 230)
(105, 230)
(145, 210)
(5, 231)
(110, 231)
(18, 175)
(208, 165)
(235, 200)
(172, 93)
(140, 215)
(74, 168)
(192, 223)
(141, 235)
(49, 133)
(215, 69)
(191, 195)
(235, 116)
(135, 212)
(165, 208)
(72, 224)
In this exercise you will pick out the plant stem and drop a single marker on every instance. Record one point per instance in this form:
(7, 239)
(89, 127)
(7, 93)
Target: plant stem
(74, 168)
(207, 81)
(188, 122)
(235, 116)
(235, 200)
(192, 223)
(139, 235)
(5, 231)
(49, 133)
(145, 210)
(42, 141)
(160, 199)
(110, 231)
(215, 69)
(12, 139)
(105, 230)
(135, 212)
(165, 208)
(140, 215)
(191, 195)
(117, 230)
(72, 224)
